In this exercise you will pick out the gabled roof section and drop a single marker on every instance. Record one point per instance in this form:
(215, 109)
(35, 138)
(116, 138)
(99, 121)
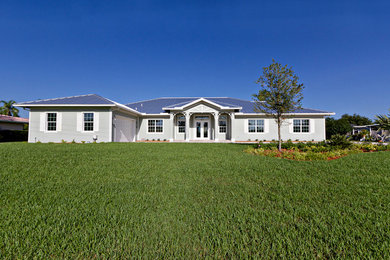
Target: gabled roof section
(154, 106)
(157, 106)
(90, 99)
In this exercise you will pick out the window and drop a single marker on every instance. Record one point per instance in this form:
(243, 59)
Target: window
(51, 121)
(301, 126)
(256, 126)
(222, 124)
(88, 121)
(155, 126)
(181, 122)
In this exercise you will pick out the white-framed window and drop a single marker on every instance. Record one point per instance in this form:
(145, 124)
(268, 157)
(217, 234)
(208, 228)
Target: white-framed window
(222, 122)
(155, 126)
(88, 121)
(181, 123)
(51, 122)
(256, 125)
(301, 125)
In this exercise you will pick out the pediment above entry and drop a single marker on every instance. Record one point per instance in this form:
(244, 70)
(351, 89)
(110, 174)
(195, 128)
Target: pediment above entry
(201, 106)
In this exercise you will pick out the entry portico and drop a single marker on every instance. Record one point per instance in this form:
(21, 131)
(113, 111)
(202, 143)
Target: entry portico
(201, 120)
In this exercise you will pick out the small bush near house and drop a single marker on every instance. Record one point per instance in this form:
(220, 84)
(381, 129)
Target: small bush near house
(13, 135)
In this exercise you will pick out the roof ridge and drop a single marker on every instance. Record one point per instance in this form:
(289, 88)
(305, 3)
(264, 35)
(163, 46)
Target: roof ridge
(143, 101)
(181, 103)
(174, 98)
(49, 99)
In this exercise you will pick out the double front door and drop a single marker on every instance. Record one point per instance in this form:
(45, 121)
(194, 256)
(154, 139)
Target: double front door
(202, 129)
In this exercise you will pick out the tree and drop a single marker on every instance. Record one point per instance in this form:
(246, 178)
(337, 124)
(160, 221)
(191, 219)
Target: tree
(279, 94)
(9, 109)
(337, 127)
(383, 121)
(356, 119)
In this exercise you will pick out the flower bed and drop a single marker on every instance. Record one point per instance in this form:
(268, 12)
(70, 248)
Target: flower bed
(313, 151)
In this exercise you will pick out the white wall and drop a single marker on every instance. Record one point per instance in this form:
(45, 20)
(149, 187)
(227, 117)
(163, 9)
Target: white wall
(317, 127)
(67, 128)
(167, 128)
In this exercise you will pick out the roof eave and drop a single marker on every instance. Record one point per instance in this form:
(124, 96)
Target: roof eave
(126, 108)
(294, 114)
(64, 105)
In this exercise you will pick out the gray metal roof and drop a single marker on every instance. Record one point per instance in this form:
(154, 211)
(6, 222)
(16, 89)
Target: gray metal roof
(90, 99)
(155, 106)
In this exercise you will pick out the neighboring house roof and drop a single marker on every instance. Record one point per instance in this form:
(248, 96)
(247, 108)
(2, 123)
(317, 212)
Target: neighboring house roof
(90, 99)
(365, 126)
(13, 119)
(155, 106)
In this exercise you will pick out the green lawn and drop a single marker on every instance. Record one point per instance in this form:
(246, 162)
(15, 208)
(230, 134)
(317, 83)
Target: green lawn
(189, 200)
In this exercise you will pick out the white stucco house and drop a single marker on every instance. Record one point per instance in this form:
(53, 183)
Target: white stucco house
(221, 119)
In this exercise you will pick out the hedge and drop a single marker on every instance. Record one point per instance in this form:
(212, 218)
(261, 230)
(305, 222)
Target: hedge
(13, 135)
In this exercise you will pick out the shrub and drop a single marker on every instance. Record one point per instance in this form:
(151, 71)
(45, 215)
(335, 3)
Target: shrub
(288, 145)
(63, 141)
(340, 141)
(13, 135)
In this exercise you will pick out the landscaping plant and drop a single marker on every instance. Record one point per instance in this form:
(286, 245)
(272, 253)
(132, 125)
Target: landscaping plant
(280, 93)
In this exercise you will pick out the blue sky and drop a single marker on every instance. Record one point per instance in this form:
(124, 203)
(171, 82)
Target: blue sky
(133, 50)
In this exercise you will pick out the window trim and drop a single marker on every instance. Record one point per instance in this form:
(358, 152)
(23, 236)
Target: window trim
(147, 127)
(247, 126)
(225, 126)
(300, 132)
(83, 122)
(46, 122)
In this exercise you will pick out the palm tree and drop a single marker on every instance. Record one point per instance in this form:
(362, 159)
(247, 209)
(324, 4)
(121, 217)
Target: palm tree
(383, 121)
(9, 109)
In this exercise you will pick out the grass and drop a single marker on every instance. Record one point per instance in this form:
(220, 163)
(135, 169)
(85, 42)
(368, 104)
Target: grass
(187, 201)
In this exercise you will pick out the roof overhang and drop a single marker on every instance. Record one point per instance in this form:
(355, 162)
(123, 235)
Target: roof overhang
(64, 105)
(116, 104)
(290, 114)
(201, 100)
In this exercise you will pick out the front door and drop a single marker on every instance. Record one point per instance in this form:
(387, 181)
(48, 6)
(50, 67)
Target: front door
(202, 129)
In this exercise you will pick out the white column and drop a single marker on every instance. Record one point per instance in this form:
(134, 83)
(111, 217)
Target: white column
(187, 126)
(172, 119)
(216, 127)
(232, 118)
